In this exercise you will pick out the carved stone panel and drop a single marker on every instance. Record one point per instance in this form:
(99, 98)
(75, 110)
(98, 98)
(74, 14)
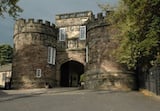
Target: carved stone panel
(72, 44)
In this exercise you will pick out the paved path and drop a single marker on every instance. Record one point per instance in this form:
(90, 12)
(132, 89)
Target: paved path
(62, 99)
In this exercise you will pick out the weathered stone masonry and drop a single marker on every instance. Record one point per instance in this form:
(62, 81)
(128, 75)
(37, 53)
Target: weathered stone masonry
(72, 49)
(74, 55)
(101, 70)
(31, 40)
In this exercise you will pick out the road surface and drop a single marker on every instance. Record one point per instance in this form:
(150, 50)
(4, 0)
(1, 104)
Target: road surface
(79, 100)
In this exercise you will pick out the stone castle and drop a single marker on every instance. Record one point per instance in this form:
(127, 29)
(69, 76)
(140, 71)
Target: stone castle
(57, 55)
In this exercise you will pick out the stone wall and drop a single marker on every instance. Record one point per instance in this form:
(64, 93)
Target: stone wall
(73, 19)
(31, 41)
(102, 71)
(99, 79)
(63, 57)
(72, 22)
(72, 49)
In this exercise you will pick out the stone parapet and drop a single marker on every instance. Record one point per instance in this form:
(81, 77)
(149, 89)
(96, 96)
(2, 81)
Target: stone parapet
(73, 15)
(30, 25)
(98, 21)
(72, 21)
(29, 32)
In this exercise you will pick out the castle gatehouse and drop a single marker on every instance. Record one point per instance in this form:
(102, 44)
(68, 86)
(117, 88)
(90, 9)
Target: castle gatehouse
(56, 55)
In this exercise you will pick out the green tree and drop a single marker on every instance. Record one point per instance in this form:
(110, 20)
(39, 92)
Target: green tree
(6, 53)
(10, 7)
(137, 22)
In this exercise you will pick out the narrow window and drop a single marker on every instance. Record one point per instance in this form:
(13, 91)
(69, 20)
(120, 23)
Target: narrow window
(51, 55)
(82, 33)
(54, 56)
(87, 54)
(38, 73)
(62, 34)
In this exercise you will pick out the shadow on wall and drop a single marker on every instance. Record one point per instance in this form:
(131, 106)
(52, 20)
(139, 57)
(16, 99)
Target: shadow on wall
(30, 67)
(102, 70)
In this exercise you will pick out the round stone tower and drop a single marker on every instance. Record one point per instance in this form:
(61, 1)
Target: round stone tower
(101, 70)
(34, 44)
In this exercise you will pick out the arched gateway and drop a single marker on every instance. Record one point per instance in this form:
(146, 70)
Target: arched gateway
(56, 55)
(70, 73)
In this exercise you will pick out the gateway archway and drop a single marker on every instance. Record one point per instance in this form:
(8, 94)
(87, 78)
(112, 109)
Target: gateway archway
(70, 73)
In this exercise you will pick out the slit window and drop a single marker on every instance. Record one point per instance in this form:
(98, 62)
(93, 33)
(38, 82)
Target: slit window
(87, 54)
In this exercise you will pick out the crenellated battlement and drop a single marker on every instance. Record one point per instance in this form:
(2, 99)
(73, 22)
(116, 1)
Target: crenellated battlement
(42, 53)
(34, 26)
(97, 21)
(99, 16)
(31, 20)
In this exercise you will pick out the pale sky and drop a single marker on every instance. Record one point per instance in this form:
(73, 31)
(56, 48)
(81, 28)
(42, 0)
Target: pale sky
(46, 10)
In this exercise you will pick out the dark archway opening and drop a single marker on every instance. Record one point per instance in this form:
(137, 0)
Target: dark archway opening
(70, 73)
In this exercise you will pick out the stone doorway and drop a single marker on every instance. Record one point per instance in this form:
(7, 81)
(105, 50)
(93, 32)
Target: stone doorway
(70, 73)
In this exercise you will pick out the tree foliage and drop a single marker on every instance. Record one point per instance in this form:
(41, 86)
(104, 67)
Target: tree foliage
(6, 52)
(137, 22)
(10, 7)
